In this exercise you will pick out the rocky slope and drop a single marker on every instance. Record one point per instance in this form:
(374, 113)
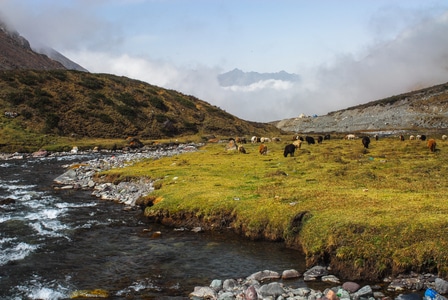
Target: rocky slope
(425, 109)
(16, 53)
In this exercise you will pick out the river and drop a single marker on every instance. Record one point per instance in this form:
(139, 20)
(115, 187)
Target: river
(54, 242)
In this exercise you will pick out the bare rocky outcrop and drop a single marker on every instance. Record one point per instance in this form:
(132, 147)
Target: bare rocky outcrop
(424, 109)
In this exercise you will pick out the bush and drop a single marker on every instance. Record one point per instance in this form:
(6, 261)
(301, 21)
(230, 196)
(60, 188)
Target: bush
(15, 98)
(91, 83)
(127, 99)
(158, 103)
(60, 75)
(26, 114)
(51, 122)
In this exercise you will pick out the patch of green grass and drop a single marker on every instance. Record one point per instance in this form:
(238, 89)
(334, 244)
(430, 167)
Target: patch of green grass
(365, 212)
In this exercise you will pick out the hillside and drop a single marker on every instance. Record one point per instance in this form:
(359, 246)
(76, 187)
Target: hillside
(425, 109)
(74, 103)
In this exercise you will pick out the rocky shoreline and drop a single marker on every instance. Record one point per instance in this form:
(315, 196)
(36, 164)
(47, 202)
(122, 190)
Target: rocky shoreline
(261, 285)
(81, 175)
(265, 285)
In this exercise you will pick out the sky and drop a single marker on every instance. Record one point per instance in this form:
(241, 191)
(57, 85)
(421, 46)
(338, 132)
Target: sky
(346, 52)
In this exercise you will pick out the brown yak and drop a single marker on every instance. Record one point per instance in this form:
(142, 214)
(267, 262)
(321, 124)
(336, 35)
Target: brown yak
(432, 145)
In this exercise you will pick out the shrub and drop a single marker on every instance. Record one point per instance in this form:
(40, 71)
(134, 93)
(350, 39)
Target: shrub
(26, 114)
(51, 122)
(158, 103)
(60, 75)
(91, 83)
(127, 99)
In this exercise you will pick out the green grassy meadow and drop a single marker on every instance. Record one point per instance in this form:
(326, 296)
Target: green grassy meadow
(365, 212)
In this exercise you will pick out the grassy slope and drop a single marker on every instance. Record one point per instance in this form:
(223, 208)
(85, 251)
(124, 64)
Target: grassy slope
(367, 213)
(76, 105)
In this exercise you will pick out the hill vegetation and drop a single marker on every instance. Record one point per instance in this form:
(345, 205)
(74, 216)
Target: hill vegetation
(39, 104)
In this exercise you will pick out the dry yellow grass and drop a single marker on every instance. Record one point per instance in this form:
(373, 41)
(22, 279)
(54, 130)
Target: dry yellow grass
(367, 213)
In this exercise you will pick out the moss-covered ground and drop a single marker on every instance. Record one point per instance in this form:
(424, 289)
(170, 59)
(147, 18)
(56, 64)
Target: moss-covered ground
(365, 212)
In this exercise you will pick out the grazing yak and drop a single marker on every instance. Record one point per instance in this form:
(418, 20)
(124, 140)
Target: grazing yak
(432, 145)
(401, 137)
(289, 149)
(350, 137)
(263, 149)
(297, 143)
(320, 139)
(366, 141)
(241, 149)
(241, 140)
(310, 140)
(327, 137)
(444, 137)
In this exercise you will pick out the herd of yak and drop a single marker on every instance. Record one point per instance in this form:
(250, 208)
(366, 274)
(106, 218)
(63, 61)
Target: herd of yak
(297, 142)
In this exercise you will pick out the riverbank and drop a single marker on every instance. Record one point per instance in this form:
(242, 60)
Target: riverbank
(413, 282)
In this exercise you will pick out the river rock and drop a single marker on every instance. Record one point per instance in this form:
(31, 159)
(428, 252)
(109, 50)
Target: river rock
(226, 296)
(97, 293)
(351, 286)
(230, 285)
(216, 284)
(251, 293)
(314, 273)
(365, 291)
(441, 286)
(288, 274)
(411, 296)
(7, 201)
(343, 294)
(40, 153)
(330, 278)
(331, 295)
(263, 275)
(273, 289)
(68, 177)
(203, 292)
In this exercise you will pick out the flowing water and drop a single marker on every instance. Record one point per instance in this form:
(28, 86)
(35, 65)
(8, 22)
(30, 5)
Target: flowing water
(55, 242)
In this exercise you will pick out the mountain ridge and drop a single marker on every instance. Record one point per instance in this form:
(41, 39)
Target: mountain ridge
(241, 78)
(16, 53)
(424, 109)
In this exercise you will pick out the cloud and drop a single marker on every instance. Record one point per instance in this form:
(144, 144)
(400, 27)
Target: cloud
(273, 84)
(415, 58)
(62, 24)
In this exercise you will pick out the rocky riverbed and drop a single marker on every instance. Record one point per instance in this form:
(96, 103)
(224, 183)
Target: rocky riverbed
(272, 285)
(81, 175)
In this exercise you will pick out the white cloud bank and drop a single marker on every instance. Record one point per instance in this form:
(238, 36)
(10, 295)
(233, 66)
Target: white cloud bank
(416, 59)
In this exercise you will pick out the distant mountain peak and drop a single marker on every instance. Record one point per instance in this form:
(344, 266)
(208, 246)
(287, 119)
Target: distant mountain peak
(14, 36)
(17, 53)
(240, 78)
